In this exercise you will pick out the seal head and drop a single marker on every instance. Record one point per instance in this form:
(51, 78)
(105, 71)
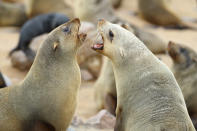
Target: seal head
(110, 41)
(71, 36)
(181, 55)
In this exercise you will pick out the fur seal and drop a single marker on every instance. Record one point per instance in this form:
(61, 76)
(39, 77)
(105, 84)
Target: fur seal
(148, 95)
(12, 14)
(34, 27)
(105, 92)
(46, 98)
(116, 3)
(157, 12)
(185, 71)
(37, 7)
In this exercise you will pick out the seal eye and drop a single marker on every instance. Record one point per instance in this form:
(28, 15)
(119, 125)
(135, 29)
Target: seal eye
(111, 35)
(66, 29)
(182, 50)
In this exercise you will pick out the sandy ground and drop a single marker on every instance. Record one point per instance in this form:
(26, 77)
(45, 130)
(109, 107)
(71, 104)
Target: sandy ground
(86, 106)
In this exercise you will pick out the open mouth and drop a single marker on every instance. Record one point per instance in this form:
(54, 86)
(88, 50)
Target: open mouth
(99, 42)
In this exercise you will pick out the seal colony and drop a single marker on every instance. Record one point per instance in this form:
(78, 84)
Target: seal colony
(148, 95)
(46, 98)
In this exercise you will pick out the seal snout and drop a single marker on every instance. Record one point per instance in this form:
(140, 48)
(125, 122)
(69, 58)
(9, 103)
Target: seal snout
(72, 26)
(173, 51)
(99, 43)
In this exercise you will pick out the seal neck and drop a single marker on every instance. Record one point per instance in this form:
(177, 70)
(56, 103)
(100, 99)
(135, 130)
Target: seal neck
(52, 71)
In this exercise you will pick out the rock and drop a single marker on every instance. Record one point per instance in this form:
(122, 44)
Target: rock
(77, 121)
(20, 61)
(103, 120)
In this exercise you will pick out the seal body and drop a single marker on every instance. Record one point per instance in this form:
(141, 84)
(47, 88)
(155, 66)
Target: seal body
(184, 69)
(12, 14)
(148, 95)
(39, 25)
(157, 12)
(105, 92)
(46, 98)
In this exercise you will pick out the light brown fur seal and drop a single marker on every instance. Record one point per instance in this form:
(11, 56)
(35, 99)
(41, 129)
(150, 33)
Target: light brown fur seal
(46, 98)
(185, 72)
(36, 7)
(105, 91)
(149, 98)
(157, 12)
(12, 14)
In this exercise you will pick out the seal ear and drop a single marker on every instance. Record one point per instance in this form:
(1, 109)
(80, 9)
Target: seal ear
(82, 37)
(127, 27)
(55, 45)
